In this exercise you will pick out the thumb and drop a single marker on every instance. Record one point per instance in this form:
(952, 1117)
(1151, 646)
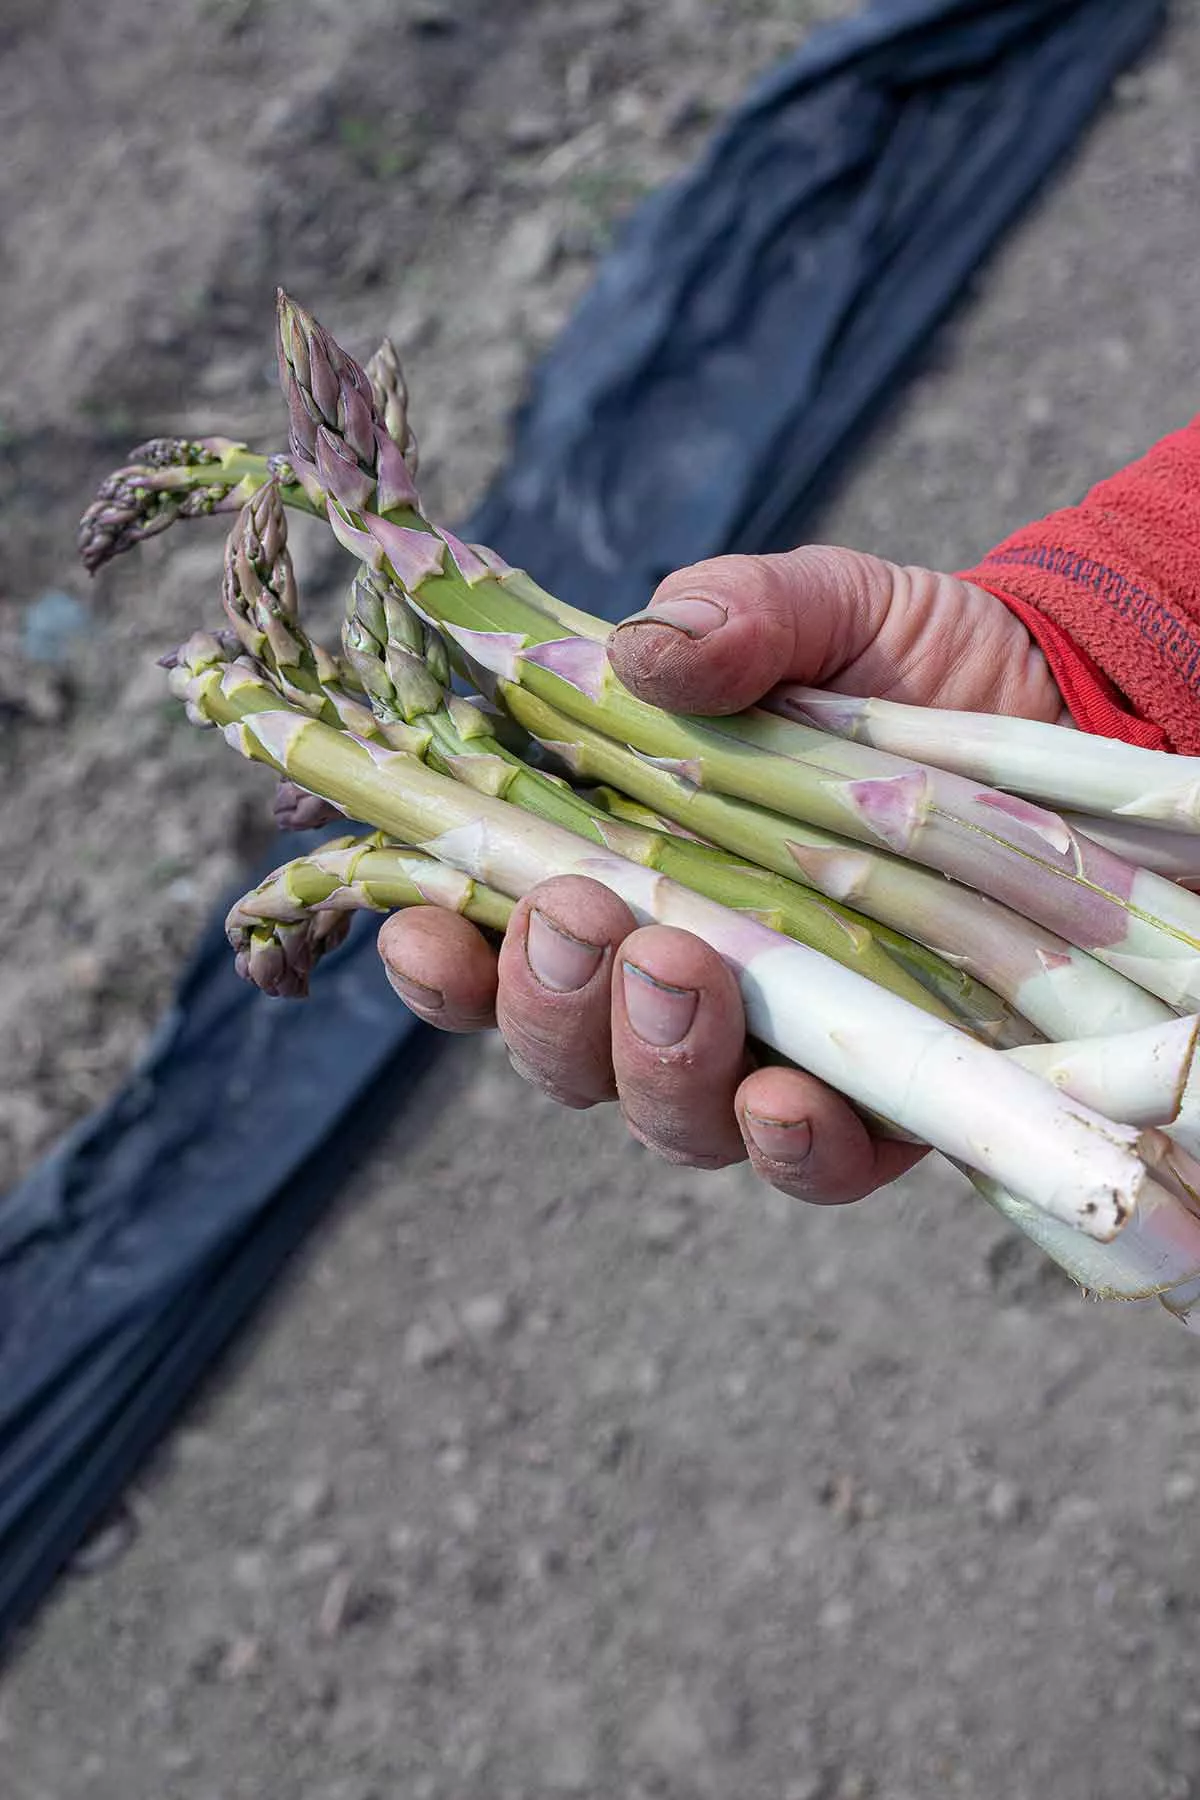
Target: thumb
(718, 636)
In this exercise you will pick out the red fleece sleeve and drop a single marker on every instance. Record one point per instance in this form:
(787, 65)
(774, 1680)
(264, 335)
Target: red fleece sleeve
(1110, 590)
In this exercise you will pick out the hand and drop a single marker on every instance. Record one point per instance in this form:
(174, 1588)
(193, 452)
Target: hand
(593, 1009)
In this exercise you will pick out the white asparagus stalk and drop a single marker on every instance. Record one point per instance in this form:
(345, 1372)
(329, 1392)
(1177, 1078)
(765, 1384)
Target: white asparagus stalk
(929, 1077)
(1053, 764)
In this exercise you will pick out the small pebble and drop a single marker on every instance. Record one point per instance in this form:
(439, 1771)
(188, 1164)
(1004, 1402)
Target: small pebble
(311, 1499)
(428, 1344)
(1005, 1503)
(663, 1227)
(321, 1557)
(107, 1544)
(488, 1316)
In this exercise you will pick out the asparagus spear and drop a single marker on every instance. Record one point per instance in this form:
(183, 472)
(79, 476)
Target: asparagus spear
(402, 668)
(933, 1080)
(176, 478)
(1138, 1077)
(281, 929)
(1061, 767)
(168, 479)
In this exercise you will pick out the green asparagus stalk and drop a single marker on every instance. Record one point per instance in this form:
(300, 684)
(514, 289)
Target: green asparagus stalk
(1060, 767)
(436, 564)
(401, 666)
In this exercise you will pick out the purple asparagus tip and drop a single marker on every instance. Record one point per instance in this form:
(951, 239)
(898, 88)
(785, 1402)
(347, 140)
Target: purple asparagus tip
(341, 421)
(139, 500)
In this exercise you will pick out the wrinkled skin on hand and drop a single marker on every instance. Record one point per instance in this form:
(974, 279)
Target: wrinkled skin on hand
(594, 1009)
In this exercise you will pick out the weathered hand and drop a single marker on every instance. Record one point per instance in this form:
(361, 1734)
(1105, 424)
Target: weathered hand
(593, 1009)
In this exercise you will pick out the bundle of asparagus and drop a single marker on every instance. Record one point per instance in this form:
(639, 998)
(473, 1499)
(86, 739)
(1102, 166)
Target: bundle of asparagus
(1018, 988)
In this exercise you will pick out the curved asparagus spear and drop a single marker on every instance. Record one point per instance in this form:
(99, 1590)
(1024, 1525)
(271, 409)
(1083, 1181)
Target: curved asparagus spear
(1062, 767)
(282, 928)
(175, 478)
(932, 1079)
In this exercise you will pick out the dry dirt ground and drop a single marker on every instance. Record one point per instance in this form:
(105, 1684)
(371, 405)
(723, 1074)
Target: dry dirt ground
(551, 1472)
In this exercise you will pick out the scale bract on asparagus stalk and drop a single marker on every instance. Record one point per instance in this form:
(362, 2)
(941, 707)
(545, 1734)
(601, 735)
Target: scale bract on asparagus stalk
(372, 734)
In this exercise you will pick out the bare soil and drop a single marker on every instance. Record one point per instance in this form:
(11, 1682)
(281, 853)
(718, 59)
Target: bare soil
(551, 1471)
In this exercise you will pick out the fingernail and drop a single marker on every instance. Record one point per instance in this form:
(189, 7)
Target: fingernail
(693, 616)
(781, 1140)
(415, 993)
(658, 1013)
(559, 961)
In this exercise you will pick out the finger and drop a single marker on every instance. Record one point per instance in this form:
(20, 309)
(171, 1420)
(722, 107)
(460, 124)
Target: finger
(554, 1005)
(807, 1141)
(678, 1047)
(441, 967)
(718, 636)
